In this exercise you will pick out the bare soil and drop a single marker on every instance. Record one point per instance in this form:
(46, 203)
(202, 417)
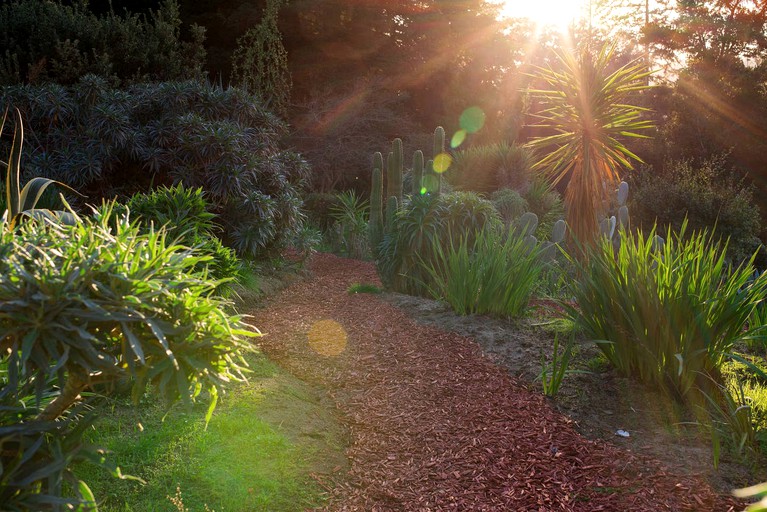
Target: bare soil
(443, 412)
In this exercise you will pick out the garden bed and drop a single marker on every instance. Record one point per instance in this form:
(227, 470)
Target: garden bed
(438, 424)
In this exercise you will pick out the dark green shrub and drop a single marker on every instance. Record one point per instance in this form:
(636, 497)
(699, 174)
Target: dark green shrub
(318, 207)
(488, 168)
(418, 225)
(708, 195)
(106, 142)
(51, 41)
(509, 204)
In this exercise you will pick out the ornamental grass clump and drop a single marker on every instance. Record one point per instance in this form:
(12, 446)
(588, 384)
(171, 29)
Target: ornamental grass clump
(668, 314)
(484, 274)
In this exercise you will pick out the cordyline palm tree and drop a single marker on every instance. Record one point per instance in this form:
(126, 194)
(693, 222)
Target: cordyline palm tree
(586, 105)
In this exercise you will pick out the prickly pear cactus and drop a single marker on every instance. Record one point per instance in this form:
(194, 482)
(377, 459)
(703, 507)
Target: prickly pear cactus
(526, 224)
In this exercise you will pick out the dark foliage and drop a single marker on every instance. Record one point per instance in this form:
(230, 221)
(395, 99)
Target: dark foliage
(708, 195)
(52, 41)
(106, 141)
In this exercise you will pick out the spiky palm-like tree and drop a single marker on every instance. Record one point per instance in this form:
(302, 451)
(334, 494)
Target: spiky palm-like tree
(587, 106)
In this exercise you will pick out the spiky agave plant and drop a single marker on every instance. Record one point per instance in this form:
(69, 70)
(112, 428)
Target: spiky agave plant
(587, 105)
(22, 202)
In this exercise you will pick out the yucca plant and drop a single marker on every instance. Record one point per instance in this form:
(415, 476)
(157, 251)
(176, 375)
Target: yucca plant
(668, 315)
(22, 202)
(587, 106)
(483, 273)
(351, 213)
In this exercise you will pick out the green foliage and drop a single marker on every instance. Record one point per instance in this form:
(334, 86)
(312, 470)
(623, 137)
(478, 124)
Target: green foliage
(126, 304)
(117, 303)
(107, 142)
(668, 316)
(350, 214)
(185, 215)
(53, 41)
(409, 232)
(260, 62)
(708, 195)
(509, 203)
(490, 167)
(553, 373)
(587, 106)
(363, 288)
(481, 272)
(421, 222)
(759, 492)
(35, 455)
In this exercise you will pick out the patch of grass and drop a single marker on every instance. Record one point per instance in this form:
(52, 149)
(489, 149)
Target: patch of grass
(363, 288)
(262, 443)
(598, 364)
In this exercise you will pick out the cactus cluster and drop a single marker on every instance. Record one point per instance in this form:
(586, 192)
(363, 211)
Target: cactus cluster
(609, 226)
(425, 181)
(526, 225)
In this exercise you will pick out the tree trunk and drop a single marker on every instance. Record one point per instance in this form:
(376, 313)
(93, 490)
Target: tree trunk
(77, 381)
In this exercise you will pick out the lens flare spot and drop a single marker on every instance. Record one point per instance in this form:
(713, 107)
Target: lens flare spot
(458, 138)
(327, 338)
(423, 191)
(442, 162)
(472, 119)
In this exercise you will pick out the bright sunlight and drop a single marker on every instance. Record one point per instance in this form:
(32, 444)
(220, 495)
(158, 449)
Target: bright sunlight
(558, 14)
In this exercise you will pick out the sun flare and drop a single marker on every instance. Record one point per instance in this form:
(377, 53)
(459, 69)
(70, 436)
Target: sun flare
(556, 14)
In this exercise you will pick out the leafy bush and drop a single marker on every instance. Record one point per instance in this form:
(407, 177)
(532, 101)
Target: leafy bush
(106, 142)
(418, 225)
(52, 41)
(117, 303)
(484, 273)
(184, 215)
(708, 195)
(488, 168)
(669, 316)
(509, 203)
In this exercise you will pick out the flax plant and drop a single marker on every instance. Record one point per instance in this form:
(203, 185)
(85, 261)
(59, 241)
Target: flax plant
(586, 105)
(668, 315)
(485, 274)
(22, 202)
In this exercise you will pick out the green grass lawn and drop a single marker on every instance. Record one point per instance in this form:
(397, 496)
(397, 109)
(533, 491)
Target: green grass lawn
(257, 453)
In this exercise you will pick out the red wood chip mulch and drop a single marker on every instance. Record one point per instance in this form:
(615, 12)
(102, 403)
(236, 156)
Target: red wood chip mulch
(435, 425)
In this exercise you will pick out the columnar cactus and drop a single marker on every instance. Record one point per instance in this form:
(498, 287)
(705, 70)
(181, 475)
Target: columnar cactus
(391, 211)
(395, 164)
(376, 224)
(417, 172)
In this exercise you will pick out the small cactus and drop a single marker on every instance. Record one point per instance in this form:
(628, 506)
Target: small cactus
(558, 231)
(526, 224)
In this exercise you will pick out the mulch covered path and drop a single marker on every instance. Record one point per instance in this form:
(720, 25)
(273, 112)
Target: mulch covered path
(435, 425)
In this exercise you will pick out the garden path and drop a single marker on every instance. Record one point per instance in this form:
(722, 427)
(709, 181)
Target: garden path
(435, 425)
